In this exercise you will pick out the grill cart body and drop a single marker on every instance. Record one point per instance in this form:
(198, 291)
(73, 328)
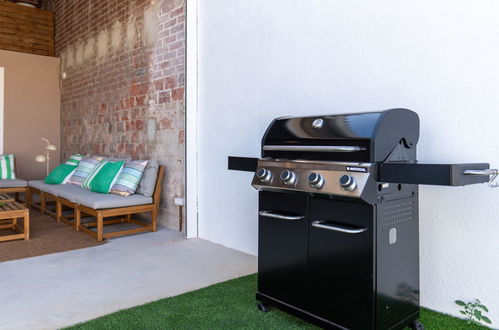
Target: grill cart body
(338, 217)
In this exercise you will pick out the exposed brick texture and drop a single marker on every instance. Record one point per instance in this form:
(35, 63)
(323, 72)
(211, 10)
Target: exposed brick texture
(124, 62)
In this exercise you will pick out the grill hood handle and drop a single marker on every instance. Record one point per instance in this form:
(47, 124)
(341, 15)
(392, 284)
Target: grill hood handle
(308, 148)
(436, 174)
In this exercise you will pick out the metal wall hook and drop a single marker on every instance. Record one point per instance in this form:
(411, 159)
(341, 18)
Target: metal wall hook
(493, 172)
(491, 182)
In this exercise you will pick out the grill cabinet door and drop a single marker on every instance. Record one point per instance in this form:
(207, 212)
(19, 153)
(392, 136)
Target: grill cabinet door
(341, 262)
(282, 247)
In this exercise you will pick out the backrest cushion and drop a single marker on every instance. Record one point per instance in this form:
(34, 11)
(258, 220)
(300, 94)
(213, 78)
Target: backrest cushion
(148, 182)
(74, 159)
(7, 171)
(129, 178)
(84, 169)
(103, 176)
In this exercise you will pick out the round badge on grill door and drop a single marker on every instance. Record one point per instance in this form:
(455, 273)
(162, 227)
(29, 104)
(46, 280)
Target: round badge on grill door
(318, 123)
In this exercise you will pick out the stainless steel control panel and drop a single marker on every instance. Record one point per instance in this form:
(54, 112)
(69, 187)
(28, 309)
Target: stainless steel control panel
(334, 178)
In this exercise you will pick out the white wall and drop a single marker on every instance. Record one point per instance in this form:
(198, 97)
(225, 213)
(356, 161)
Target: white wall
(261, 59)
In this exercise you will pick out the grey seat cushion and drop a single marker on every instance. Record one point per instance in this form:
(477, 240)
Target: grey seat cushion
(110, 201)
(68, 191)
(13, 183)
(76, 194)
(40, 185)
(148, 181)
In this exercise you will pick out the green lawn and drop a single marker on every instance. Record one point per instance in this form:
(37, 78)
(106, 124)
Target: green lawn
(228, 305)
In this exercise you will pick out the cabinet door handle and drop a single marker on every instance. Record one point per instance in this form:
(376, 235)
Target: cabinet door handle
(269, 214)
(341, 229)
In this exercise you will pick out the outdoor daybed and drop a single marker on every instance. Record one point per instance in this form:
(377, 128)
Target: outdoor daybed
(84, 203)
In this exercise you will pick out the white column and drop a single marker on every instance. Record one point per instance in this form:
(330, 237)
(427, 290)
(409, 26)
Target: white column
(191, 122)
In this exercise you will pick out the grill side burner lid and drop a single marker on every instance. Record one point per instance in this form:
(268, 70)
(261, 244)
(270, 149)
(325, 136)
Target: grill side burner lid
(359, 137)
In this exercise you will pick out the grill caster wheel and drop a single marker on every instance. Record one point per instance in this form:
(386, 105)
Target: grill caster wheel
(416, 325)
(263, 307)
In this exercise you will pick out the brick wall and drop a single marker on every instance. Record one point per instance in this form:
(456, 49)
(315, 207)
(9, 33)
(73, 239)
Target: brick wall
(124, 62)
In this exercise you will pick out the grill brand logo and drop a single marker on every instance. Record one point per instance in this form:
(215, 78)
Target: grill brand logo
(356, 169)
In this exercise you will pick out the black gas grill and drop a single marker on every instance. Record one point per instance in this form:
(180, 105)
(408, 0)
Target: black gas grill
(338, 217)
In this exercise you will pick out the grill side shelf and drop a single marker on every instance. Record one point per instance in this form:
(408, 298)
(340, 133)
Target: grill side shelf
(246, 164)
(431, 174)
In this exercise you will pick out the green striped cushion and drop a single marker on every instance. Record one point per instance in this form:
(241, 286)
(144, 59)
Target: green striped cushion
(103, 177)
(74, 159)
(60, 174)
(7, 167)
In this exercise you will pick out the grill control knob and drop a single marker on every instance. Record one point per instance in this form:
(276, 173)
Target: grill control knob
(347, 182)
(288, 177)
(264, 175)
(315, 180)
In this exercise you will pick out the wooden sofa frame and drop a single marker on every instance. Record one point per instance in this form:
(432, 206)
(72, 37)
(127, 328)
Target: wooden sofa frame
(17, 190)
(45, 200)
(121, 214)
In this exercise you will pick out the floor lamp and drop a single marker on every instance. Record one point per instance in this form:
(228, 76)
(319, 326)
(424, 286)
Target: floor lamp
(46, 158)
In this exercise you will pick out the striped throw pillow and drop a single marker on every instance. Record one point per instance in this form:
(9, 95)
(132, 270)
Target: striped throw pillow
(129, 178)
(7, 167)
(74, 159)
(103, 176)
(84, 169)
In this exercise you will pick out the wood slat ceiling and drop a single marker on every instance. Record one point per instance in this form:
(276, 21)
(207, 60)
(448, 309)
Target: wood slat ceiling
(27, 30)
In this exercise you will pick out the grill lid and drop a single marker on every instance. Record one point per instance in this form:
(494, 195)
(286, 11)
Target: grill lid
(359, 137)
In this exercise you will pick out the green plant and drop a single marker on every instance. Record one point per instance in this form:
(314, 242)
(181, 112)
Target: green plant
(474, 311)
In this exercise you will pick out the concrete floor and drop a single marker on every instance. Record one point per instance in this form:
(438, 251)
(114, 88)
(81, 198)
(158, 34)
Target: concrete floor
(63, 289)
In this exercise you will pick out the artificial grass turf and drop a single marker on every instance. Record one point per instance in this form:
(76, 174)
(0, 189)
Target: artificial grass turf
(227, 305)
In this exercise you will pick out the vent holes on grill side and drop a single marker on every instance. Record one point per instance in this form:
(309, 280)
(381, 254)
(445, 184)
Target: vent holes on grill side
(399, 187)
(380, 187)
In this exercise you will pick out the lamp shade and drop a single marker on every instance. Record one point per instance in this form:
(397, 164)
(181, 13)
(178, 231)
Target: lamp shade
(40, 159)
(51, 147)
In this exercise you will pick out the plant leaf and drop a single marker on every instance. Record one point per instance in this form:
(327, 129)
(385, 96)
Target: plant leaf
(460, 303)
(484, 308)
(486, 319)
(463, 312)
(478, 314)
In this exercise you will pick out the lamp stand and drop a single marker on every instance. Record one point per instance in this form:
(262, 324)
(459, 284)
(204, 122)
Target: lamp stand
(48, 162)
